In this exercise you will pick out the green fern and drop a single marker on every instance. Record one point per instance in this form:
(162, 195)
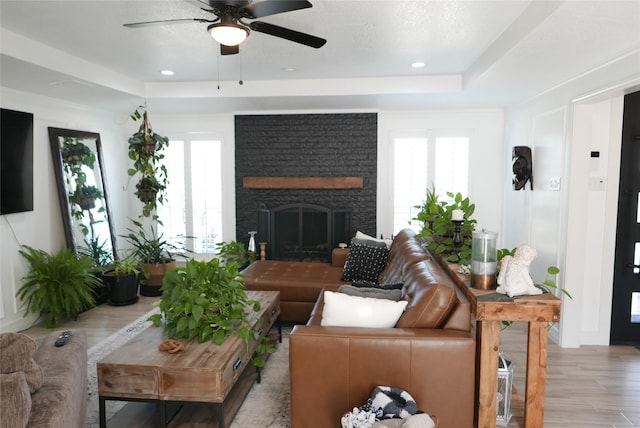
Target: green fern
(57, 285)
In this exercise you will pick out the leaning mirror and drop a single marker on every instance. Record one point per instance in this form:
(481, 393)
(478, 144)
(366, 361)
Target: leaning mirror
(82, 190)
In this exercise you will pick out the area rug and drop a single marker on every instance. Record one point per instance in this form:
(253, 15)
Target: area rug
(266, 405)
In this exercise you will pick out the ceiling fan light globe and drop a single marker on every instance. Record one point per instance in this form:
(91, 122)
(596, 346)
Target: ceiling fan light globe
(228, 34)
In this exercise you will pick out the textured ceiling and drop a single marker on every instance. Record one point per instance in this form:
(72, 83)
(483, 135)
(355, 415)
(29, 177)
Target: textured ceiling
(477, 53)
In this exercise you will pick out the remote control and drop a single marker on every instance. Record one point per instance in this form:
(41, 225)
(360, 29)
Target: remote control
(63, 338)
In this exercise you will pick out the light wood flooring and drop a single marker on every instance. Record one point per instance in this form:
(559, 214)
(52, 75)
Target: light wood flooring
(592, 386)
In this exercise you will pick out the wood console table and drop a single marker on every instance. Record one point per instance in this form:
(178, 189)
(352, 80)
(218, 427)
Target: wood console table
(489, 309)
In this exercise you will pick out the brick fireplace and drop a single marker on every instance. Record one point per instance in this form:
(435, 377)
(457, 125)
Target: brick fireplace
(297, 167)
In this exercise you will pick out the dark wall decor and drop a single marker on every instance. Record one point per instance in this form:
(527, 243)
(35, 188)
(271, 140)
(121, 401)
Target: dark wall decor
(522, 167)
(328, 160)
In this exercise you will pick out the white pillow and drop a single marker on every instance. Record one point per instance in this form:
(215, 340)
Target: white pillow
(342, 310)
(360, 235)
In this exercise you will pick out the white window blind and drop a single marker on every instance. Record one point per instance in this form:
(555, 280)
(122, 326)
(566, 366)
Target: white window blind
(193, 208)
(421, 162)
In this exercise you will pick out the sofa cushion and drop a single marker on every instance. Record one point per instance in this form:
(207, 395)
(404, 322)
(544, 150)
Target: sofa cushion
(15, 400)
(342, 310)
(430, 300)
(17, 356)
(373, 292)
(364, 263)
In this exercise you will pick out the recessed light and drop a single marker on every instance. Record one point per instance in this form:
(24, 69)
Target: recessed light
(288, 69)
(417, 64)
(166, 72)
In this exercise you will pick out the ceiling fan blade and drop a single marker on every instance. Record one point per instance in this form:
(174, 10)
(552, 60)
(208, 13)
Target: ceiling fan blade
(229, 50)
(166, 21)
(286, 33)
(272, 7)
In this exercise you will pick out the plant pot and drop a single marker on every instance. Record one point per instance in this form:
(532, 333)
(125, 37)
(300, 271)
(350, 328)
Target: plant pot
(87, 202)
(123, 288)
(150, 286)
(101, 293)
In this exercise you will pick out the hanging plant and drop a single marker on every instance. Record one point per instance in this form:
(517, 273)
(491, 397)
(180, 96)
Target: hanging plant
(76, 157)
(145, 150)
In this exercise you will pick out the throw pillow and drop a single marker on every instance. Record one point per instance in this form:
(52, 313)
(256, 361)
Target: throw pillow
(360, 235)
(343, 310)
(370, 242)
(373, 292)
(369, 284)
(15, 400)
(364, 262)
(17, 356)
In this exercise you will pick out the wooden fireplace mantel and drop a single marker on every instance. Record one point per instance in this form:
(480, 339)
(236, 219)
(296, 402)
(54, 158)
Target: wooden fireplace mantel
(302, 182)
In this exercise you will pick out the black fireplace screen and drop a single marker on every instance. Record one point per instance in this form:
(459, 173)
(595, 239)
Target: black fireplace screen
(303, 232)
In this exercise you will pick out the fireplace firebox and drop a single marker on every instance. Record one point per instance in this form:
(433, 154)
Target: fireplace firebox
(303, 232)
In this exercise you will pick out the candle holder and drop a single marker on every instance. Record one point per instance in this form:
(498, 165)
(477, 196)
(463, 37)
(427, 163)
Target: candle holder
(263, 250)
(457, 241)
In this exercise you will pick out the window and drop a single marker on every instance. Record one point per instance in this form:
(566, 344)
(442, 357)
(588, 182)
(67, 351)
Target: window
(419, 163)
(193, 208)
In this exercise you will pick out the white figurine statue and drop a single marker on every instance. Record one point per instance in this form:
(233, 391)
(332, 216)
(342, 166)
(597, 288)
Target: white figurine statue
(514, 278)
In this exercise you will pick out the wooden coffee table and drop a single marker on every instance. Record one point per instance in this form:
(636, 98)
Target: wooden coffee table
(203, 373)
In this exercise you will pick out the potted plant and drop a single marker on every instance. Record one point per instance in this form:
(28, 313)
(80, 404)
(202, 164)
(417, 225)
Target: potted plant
(430, 209)
(76, 156)
(438, 229)
(57, 285)
(85, 196)
(121, 281)
(147, 189)
(102, 257)
(156, 255)
(145, 150)
(235, 252)
(205, 300)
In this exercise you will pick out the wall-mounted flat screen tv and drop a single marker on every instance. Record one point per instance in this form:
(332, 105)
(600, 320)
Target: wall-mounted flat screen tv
(16, 161)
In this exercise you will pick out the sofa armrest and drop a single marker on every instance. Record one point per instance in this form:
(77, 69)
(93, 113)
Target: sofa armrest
(339, 257)
(334, 369)
(61, 401)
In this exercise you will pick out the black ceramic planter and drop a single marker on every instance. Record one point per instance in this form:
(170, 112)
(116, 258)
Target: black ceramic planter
(123, 289)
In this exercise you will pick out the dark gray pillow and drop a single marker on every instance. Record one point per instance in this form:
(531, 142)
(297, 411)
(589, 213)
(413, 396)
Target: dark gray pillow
(375, 293)
(370, 284)
(364, 263)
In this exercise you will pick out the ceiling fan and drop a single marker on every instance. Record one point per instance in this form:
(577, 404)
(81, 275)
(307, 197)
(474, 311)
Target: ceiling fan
(233, 22)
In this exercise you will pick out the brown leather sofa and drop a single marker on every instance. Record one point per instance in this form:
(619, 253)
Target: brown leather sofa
(430, 353)
(299, 283)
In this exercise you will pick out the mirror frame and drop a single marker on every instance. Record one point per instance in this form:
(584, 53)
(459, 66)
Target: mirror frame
(55, 136)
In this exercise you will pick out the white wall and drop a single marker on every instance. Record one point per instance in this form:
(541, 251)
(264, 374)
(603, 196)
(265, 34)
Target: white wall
(573, 228)
(42, 227)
